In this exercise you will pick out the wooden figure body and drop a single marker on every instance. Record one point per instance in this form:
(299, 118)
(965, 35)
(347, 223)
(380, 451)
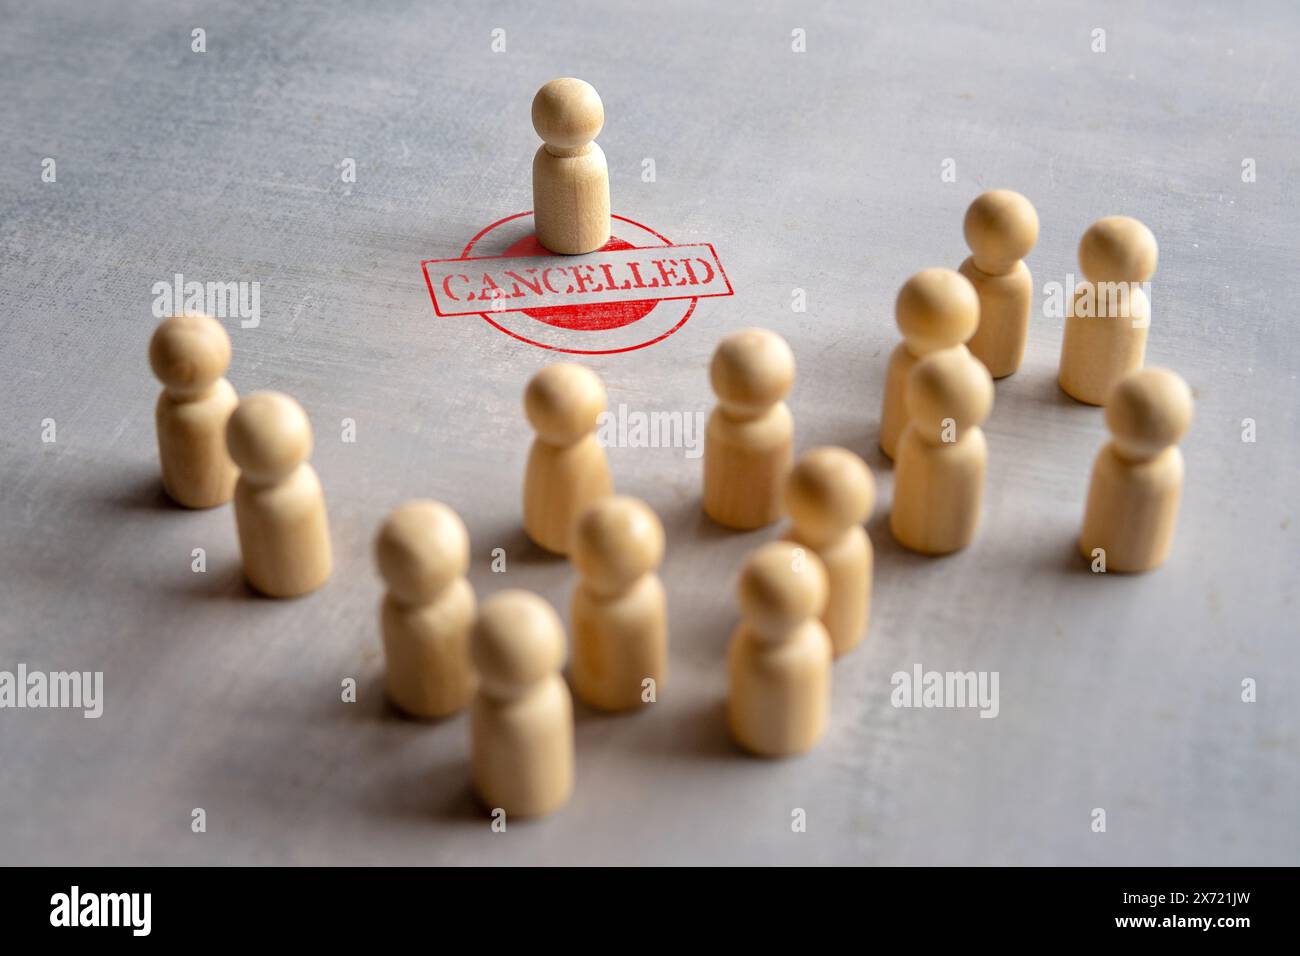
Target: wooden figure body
(570, 177)
(521, 722)
(936, 309)
(279, 505)
(567, 469)
(190, 354)
(1137, 479)
(748, 441)
(620, 627)
(829, 494)
(422, 551)
(1001, 228)
(939, 481)
(779, 661)
(1106, 328)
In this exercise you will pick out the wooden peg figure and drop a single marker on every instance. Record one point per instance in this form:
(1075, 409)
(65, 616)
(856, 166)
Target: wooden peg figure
(620, 628)
(521, 722)
(829, 494)
(936, 309)
(1001, 228)
(939, 481)
(422, 551)
(567, 469)
(570, 178)
(1137, 479)
(1106, 328)
(279, 504)
(750, 434)
(779, 660)
(190, 354)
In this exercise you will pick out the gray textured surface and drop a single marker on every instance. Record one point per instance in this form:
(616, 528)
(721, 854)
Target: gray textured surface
(818, 171)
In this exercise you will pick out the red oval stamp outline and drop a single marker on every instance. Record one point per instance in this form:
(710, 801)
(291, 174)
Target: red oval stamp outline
(637, 290)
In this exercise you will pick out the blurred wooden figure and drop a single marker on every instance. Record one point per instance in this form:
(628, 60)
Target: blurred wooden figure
(422, 551)
(936, 309)
(779, 660)
(1001, 228)
(939, 481)
(567, 469)
(190, 354)
(279, 504)
(521, 722)
(1137, 479)
(829, 494)
(570, 177)
(750, 434)
(620, 627)
(1106, 327)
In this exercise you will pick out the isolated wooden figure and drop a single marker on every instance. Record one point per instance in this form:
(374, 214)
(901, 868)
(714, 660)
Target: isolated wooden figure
(567, 469)
(620, 627)
(521, 722)
(1137, 479)
(570, 178)
(829, 494)
(1001, 228)
(422, 551)
(1106, 326)
(779, 661)
(279, 504)
(748, 441)
(935, 309)
(939, 480)
(190, 354)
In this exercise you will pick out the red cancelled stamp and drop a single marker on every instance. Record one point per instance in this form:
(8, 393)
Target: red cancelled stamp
(636, 291)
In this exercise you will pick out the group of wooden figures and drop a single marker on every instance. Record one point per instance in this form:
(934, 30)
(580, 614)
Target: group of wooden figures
(803, 600)
(947, 318)
(963, 329)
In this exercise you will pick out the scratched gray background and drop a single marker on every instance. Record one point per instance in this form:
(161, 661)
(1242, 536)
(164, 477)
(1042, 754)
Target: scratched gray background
(818, 171)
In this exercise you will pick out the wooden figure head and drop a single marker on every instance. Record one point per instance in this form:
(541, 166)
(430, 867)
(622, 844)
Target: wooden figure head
(420, 549)
(517, 641)
(1147, 411)
(616, 540)
(751, 371)
(949, 392)
(268, 436)
(828, 491)
(189, 354)
(1001, 227)
(563, 402)
(567, 113)
(1118, 249)
(781, 586)
(936, 309)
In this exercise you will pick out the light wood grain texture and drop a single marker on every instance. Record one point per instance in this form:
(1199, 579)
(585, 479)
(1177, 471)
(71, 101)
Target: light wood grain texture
(620, 625)
(567, 469)
(1137, 480)
(522, 720)
(570, 176)
(935, 309)
(779, 660)
(279, 504)
(1001, 228)
(942, 457)
(828, 494)
(422, 552)
(750, 435)
(1106, 331)
(190, 354)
